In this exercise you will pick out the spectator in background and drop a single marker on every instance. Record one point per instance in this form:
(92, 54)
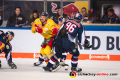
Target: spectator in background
(17, 19)
(33, 16)
(84, 14)
(56, 16)
(111, 17)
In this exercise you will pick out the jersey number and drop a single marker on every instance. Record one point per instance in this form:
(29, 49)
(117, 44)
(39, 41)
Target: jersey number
(70, 27)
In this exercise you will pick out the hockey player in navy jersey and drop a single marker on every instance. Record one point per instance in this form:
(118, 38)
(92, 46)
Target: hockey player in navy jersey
(62, 63)
(6, 47)
(61, 20)
(65, 41)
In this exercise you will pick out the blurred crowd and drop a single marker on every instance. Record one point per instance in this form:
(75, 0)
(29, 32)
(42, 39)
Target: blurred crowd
(18, 20)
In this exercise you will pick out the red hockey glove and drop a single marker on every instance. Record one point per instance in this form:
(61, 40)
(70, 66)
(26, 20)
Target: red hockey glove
(36, 25)
(38, 29)
(55, 30)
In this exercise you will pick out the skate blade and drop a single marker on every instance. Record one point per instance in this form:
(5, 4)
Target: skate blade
(37, 64)
(76, 71)
(56, 68)
(45, 71)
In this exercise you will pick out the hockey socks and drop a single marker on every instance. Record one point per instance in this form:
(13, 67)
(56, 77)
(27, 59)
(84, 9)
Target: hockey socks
(53, 60)
(74, 59)
(41, 58)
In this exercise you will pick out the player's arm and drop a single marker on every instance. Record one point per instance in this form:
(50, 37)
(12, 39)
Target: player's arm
(81, 34)
(2, 46)
(35, 26)
(54, 28)
(82, 39)
(2, 41)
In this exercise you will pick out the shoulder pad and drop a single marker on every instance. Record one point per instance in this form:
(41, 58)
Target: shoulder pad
(37, 20)
(50, 22)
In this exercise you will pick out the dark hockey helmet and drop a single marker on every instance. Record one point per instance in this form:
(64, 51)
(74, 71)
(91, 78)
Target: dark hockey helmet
(79, 16)
(10, 33)
(44, 14)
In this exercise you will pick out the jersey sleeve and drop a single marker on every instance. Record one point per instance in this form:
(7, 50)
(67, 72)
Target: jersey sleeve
(2, 41)
(53, 25)
(36, 22)
(81, 34)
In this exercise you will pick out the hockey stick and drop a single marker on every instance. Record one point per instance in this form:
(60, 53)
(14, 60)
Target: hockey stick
(90, 46)
(77, 43)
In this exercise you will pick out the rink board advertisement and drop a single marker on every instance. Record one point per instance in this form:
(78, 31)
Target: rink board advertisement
(106, 45)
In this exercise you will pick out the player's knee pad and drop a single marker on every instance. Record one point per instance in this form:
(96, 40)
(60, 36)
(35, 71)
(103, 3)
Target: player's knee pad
(42, 51)
(76, 53)
(72, 48)
(47, 51)
(74, 61)
(53, 59)
(73, 51)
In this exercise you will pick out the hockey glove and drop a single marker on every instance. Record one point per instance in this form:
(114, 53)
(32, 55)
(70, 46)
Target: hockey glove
(86, 44)
(38, 29)
(55, 31)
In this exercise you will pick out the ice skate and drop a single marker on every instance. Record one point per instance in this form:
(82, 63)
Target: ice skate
(76, 69)
(38, 63)
(46, 69)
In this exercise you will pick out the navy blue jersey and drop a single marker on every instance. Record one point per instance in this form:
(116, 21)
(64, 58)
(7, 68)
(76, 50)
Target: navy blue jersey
(114, 19)
(2, 37)
(74, 28)
(8, 47)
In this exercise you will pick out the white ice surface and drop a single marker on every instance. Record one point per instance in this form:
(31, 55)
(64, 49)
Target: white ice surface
(26, 70)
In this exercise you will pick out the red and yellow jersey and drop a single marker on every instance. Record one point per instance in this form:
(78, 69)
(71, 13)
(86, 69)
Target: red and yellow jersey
(47, 28)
